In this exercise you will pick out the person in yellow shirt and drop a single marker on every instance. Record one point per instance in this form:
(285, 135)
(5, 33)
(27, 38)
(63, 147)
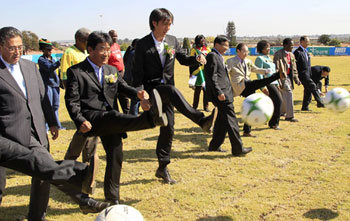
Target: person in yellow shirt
(74, 54)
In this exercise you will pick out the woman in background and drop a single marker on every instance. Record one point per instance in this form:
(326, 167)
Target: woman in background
(271, 90)
(199, 47)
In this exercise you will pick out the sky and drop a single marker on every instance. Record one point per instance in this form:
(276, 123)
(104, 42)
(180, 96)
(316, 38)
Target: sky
(58, 20)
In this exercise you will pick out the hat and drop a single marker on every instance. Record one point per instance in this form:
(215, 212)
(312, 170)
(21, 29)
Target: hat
(44, 44)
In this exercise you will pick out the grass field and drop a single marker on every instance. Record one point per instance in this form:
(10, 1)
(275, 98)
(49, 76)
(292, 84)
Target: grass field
(298, 173)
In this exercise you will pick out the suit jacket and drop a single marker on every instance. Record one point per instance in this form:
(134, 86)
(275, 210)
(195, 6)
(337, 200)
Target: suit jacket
(282, 55)
(86, 97)
(148, 69)
(316, 75)
(217, 79)
(303, 64)
(239, 74)
(18, 114)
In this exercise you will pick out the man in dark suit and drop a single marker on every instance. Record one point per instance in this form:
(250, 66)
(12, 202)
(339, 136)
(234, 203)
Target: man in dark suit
(304, 72)
(69, 176)
(24, 108)
(219, 91)
(92, 87)
(317, 74)
(154, 68)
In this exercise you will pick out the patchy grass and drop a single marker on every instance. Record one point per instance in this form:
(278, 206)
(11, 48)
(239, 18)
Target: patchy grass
(298, 173)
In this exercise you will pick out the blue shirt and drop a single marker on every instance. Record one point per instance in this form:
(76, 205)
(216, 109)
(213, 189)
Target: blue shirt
(16, 73)
(98, 71)
(264, 61)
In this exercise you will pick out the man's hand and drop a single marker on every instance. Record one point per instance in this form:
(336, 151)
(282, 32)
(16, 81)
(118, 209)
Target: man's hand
(142, 95)
(54, 132)
(221, 97)
(326, 89)
(201, 59)
(265, 91)
(145, 105)
(268, 71)
(85, 127)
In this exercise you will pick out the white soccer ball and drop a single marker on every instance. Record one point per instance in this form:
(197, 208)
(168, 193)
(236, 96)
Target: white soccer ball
(119, 213)
(337, 99)
(257, 109)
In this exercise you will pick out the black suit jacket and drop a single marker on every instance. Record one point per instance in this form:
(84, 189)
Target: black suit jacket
(217, 80)
(316, 75)
(303, 64)
(148, 69)
(17, 114)
(86, 97)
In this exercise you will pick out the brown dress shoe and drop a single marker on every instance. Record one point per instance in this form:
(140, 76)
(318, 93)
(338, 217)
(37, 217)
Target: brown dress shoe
(90, 205)
(248, 135)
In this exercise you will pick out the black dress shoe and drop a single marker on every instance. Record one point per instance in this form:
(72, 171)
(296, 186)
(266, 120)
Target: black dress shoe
(217, 150)
(159, 118)
(208, 122)
(292, 119)
(90, 205)
(320, 105)
(305, 109)
(112, 202)
(244, 152)
(89, 182)
(248, 135)
(164, 174)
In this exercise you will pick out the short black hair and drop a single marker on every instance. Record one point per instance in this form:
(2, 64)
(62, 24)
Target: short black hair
(197, 40)
(97, 37)
(261, 45)
(8, 32)
(303, 38)
(240, 46)
(287, 41)
(220, 39)
(160, 14)
(326, 69)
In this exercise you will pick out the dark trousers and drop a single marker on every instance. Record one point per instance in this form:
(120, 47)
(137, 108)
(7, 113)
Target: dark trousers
(112, 122)
(124, 103)
(37, 162)
(276, 98)
(252, 86)
(310, 89)
(226, 122)
(113, 147)
(110, 126)
(196, 96)
(172, 97)
(81, 144)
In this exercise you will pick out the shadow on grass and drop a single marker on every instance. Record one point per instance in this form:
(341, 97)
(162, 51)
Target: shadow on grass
(20, 212)
(216, 218)
(69, 125)
(321, 214)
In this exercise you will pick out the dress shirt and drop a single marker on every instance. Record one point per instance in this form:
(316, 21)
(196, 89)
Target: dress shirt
(305, 52)
(16, 73)
(160, 48)
(98, 71)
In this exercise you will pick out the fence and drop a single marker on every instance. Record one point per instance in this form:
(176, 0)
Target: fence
(316, 51)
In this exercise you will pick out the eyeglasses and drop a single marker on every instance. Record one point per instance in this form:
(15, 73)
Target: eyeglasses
(14, 48)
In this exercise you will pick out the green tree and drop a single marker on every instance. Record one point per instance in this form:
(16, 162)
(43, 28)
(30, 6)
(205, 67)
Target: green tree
(231, 33)
(30, 41)
(57, 45)
(324, 39)
(124, 46)
(186, 45)
(334, 42)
